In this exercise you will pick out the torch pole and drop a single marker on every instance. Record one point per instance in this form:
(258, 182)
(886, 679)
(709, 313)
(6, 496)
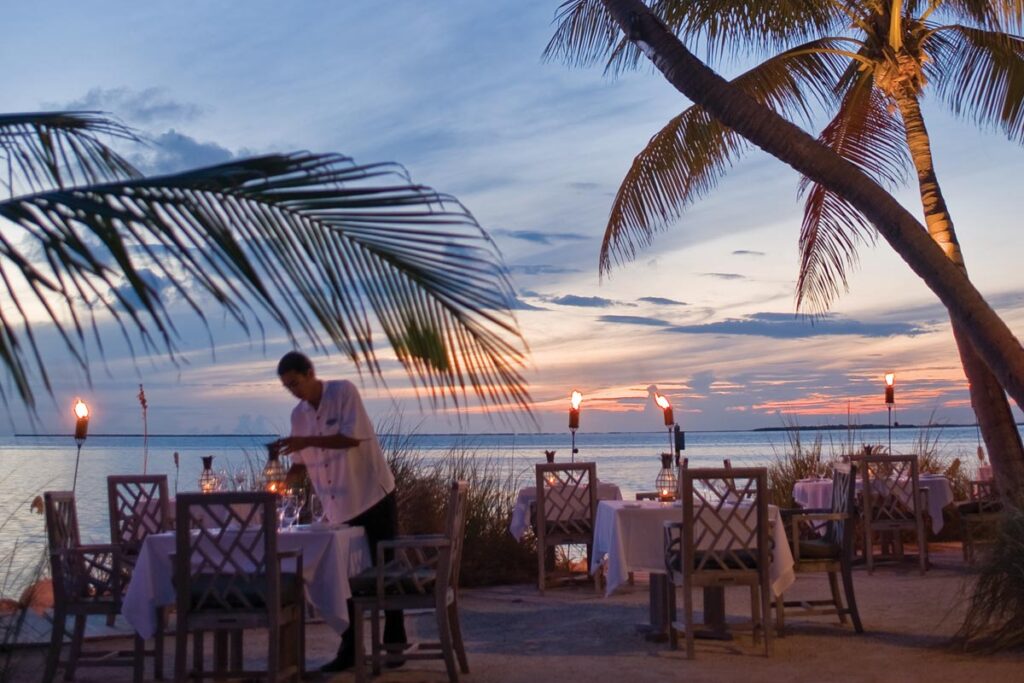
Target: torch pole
(78, 455)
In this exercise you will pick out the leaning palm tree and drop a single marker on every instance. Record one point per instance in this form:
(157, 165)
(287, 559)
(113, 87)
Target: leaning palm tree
(859, 58)
(328, 250)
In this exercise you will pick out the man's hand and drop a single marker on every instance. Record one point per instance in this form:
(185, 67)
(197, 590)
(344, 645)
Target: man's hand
(290, 444)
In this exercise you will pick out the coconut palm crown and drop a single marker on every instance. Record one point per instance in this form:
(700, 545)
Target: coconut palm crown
(326, 249)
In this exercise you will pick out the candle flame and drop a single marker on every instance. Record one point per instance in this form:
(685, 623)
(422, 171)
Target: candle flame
(577, 399)
(890, 378)
(662, 402)
(81, 410)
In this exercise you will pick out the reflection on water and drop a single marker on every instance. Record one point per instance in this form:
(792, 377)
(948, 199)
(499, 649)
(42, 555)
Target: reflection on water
(31, 465)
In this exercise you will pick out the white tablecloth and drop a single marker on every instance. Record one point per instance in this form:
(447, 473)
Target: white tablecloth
(329, 557)
(528, 496)
(632, 535)
(817, 493)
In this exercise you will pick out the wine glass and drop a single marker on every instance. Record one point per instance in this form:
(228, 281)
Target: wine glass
(288, 511)
(316, 508)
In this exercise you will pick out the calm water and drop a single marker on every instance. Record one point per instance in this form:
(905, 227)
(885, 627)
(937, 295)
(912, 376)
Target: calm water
(32, 465)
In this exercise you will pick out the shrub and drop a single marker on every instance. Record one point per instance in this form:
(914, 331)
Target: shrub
(797, 461)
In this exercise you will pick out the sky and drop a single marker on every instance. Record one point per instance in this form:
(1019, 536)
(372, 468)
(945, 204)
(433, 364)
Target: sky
(457, 91)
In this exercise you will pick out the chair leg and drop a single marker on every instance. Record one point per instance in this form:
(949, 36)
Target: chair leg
(670, 595)
(765, 606)
(444, 632)
(236, 647)
(375, 639)
(922, 544)
(77, 637)
(138, 659)
(756, 618)
(220, 653)
(541, 552)
(158, 644)
(359, 668)
(274, 653)
(456, 626)
(869, 551)
(302, 641)
(197, 651)
(833, 584)
(780, 615)
(851, 599)
(180, 654)
(56, 643)
(688, 620)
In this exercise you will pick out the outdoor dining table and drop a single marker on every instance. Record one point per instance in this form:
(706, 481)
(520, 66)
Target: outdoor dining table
(817, 493)
(629, 537)
(330, 555)
(527, 498)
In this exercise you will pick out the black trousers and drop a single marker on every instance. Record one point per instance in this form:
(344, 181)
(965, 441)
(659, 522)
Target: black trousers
(380, 523)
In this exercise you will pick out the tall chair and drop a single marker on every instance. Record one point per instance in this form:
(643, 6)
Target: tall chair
(228, 577)
(86, 582)
(566, 509)
(892, 503)
(723, 541)
(832, 552)
(138, 506)
(982, 512)
(416, 572)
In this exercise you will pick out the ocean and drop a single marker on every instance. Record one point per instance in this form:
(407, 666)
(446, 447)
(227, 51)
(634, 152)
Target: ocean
(33, 464)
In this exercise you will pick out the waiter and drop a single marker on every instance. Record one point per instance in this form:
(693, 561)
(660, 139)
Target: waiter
(333, 443)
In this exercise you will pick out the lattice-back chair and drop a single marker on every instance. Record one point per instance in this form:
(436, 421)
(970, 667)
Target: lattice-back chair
(984, 511)
(138, 506)
(892, 503)
(86, 582)
(416, 572)
(566, 508)
(831, 552)
(723, 541)
(229, 576)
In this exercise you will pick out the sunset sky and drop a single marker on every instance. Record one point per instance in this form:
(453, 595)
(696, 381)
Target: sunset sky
(458, 93)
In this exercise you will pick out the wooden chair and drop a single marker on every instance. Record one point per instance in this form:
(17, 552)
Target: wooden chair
(832, 552)
(984, 511)
(723, 541)
(228, 577)
(892, 503)
(86, 582)
(566, 508)
(416, 572)
(138, 506)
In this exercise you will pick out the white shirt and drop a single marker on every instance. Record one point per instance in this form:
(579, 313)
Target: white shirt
(348, 481)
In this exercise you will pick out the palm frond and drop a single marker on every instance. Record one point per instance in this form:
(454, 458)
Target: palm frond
(317, 243)
(865, 133)
(980, 75)
(585, 33)
(47, 150)
(993, 15)
(685, 159)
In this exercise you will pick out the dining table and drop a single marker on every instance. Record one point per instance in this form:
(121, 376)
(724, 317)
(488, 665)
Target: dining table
(629, 536)
(527, 499)
(817, 493)
(331, 553)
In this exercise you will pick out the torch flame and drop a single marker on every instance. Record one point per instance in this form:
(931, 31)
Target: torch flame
(890, 378)
(577, 399)
(662, 402)
(81, 410)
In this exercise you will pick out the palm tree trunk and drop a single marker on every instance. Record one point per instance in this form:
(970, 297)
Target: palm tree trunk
(989, 335)
(988, 399)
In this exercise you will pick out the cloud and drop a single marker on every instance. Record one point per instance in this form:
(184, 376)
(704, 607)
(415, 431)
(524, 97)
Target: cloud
(583, 301)
(174, 152)
(701, 382)
(517, 304)
(538, 237)
(542, 269)
(661, 301)
(748, 252)
(786, 326)
(632, 320)
(159, 286)
(137, 107)
(725, 276)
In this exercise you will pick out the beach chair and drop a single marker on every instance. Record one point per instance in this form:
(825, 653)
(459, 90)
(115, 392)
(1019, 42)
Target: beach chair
(722, 541)
(229, 577)
(982, 513)
(415, 572)
(831, 553)
(86, 582)
(566, 509)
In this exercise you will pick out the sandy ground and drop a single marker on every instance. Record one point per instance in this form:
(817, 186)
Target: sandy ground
(515, 635)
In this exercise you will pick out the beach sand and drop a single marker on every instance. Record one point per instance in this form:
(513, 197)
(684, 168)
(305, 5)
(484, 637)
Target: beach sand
(515, 635)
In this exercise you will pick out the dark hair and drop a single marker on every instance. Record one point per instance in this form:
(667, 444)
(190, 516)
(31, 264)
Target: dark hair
(293, 361)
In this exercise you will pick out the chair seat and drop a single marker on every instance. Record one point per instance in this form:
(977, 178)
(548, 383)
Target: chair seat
(740, 559)
(820, 550)
(398, 580)
(977, 507)
(244, 594)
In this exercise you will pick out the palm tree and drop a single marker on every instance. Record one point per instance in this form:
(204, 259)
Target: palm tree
(324, 248)
(668, 175)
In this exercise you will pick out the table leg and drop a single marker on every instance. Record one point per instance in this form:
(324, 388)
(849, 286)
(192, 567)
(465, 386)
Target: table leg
(715, 627)
(657, 629)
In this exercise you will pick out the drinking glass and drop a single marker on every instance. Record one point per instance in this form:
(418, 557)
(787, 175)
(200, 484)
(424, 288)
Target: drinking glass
(316, 508)
(288, 512)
